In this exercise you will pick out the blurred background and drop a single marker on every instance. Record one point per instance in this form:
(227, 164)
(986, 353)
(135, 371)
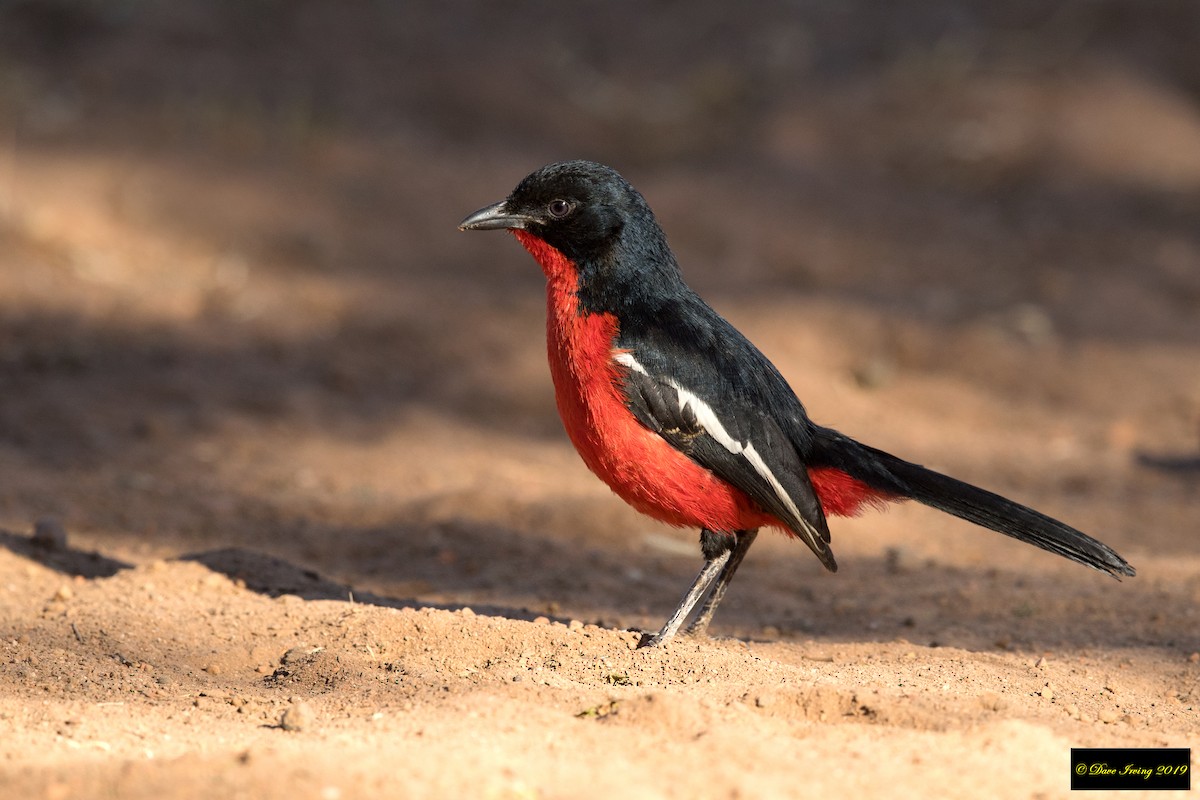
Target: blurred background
(235, 311)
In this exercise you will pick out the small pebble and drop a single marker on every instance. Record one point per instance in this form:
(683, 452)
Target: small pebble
(875, 373)
(296, 655)
(1108, 716)
(900, 560)
(49, 534)
(1031, 323)
(541, 620)
(1194, 658)
(993, 701)
(296, 717)
(574, 625)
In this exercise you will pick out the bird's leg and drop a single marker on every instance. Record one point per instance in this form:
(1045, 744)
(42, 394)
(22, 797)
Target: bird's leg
(699, 626)
(716, 549)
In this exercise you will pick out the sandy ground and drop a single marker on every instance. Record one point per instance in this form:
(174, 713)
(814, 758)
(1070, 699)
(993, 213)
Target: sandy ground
(285, 508)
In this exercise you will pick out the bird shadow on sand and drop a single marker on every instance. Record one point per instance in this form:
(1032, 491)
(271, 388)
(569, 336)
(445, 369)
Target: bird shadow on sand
(258, 572)
(272, 576)
(54, 553)
(776, 601)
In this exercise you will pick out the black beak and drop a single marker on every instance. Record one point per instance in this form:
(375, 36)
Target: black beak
(495, 217)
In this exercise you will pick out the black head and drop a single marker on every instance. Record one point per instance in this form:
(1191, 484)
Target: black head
(581, 208)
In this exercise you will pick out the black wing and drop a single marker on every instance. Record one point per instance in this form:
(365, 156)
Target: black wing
(698, 383)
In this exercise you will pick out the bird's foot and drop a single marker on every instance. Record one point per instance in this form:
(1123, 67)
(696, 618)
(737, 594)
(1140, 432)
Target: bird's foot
(650, 640)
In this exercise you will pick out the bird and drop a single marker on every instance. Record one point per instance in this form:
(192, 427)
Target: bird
(685, 419)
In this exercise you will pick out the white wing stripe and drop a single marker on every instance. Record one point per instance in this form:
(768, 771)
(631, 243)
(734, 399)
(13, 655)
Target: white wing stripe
(708, 419)
(628, 360)
(712, 425)
(761, 468)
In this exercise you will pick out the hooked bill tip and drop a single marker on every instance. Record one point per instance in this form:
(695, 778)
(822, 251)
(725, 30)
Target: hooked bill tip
(494, 217)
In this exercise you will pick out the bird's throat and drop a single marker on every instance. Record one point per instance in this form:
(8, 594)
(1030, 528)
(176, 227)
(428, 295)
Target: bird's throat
(559, 269)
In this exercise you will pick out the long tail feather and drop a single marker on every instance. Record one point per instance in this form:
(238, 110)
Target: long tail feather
(887, 473)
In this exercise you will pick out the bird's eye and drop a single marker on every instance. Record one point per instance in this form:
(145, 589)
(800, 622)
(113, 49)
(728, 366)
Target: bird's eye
(559, 208)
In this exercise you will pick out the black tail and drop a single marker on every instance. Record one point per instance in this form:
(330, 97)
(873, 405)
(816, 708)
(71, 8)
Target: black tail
(885, 472)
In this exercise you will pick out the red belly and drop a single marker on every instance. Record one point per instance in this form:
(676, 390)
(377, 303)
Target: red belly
(637, 464)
